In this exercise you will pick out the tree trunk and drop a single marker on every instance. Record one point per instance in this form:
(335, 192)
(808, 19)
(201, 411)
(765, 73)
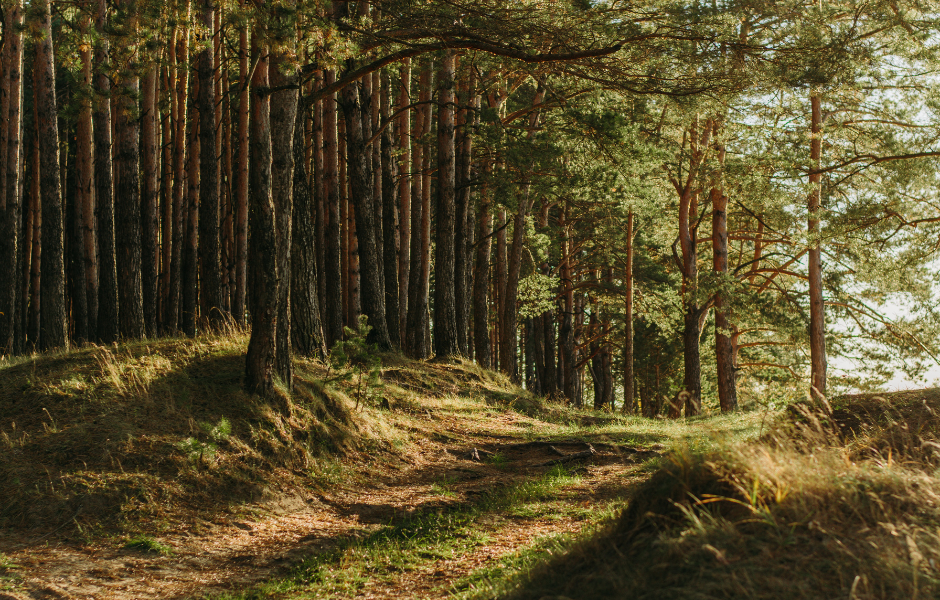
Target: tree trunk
(724, 350)
(629, 377)
(463, 228)
(34, 226)
(501, 276)
(179, 108)
(210, 286)
(283, 120)
(361, 184)
(241, 179)
(74, 244)
(189, 289)
(333, 259)
(417, 328)
(262, 242)
(817, 306)
(10, 200)
(389, 213)
(445, 309)
(569, 384)
(404, 195)
(107, 267)
(306, 327)
(150, 192)
(481, 284)
(53, 323)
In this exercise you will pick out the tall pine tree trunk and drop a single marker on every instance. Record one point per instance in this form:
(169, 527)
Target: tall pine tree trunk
(10, 200)
(333, 254)
(817, 307)
(53, 324)
(404, 196)
(629, 377)
(724, 350)
(361, 186)
(150, 197)
(283, 119)
(481, 283)
(241, 181)
(445, 309)
(390, 230)
(85, 174)
(262, 242)
(107, 268)
(210, 285)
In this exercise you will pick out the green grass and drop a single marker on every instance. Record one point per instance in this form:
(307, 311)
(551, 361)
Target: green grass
(145, 543)
(394, 549)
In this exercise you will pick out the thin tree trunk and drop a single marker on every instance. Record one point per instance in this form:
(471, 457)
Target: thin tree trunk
(333, 308)
(262, 243)
(629, 376)
(150, 193)
(35, 241)
(817, 307)
(53, 322)
(419, 271)
(464, 226)
(724, 350)
(104, 198)
(189, 296)
(569, 375)
(445, 309)
(319, 190)
(481, 283)
(404, 195)
(283, 120)
(74, 244)
(389, 213)
(501, 275)
(241, 177)
(178, 108)
(210, 285)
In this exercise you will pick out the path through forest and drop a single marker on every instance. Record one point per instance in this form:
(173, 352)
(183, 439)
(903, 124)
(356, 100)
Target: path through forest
(267, 539)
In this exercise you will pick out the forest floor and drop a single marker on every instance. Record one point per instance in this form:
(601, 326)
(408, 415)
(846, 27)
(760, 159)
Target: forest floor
(144, 471)
(477, 481)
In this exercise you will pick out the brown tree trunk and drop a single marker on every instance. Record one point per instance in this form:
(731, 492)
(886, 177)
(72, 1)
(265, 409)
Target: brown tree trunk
(417, 327)
(53, 324)
(283, 119)
(150, 198)
(166, 193)
(724, 350)
(481, 284)
(404, 195)
(333, 309)
(241, 181)
(389, 221)
(817, 306)
(262, 243)
(77, 307)
(500, 283)
(445, 309)
(210, 285)
(34, 227)
(107, 268)
(189, 296)
(10, 200)
(306, 328)
(629, 376)
(178, 107)
(361, 185)
(569, 375)
(463, 227)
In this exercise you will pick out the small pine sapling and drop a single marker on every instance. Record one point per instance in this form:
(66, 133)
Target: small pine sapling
(356, 361)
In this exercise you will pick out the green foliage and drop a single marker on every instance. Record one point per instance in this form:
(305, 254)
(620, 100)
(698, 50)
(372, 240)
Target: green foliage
(357, 363)
(146, 543)
(199, 451)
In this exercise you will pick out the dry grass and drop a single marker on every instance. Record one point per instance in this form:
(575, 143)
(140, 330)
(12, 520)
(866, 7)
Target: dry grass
(835, 502)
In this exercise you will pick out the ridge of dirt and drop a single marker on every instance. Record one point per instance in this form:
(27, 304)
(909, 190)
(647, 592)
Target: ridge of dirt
(233, 553)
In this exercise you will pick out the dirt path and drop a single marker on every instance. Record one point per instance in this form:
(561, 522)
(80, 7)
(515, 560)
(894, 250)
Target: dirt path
(231, 554)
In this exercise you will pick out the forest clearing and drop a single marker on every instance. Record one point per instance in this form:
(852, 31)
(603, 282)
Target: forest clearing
(145, 471)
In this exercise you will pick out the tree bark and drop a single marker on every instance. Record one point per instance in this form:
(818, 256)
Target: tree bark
(107, 268)
(53, 323)
(179, 109)
(150, 192)
(629, 376)
(404, 196)
(481, 284)
(445, 309)
(463, 228)
(10, 199)
(419, 271)
(361, 185)
(724, 350)
(817, 307)
(283, 119)
(389, 217)
(189, 297)
(306, 327)
(262, 242)
(210, 285)
(333, 255)
(241, 178)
